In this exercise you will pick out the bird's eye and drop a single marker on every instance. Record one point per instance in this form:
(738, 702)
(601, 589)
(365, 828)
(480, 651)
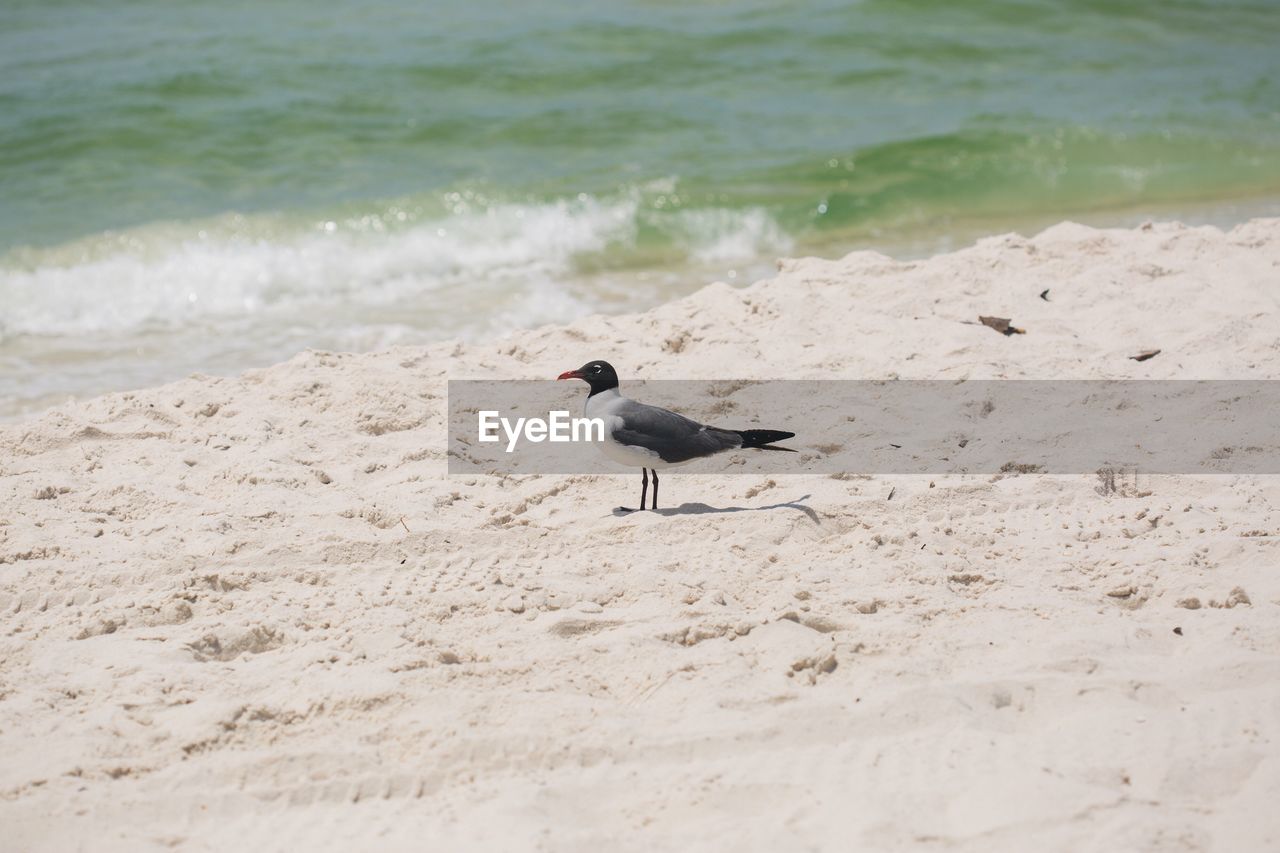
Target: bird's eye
(595, 369)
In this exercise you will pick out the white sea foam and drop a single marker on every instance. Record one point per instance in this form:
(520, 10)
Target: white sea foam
(149, 283)
(120, 310)
(721, 236)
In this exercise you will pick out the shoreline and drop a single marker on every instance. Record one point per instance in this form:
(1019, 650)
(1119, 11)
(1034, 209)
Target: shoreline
(242, 609)
(662, 284)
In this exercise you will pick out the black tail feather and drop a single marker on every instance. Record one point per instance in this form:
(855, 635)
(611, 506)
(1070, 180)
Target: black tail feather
(763, 439)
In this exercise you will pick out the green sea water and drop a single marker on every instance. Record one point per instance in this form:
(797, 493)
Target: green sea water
(211, 186)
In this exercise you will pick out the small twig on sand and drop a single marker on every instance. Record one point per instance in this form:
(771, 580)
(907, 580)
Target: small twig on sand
(405, 526)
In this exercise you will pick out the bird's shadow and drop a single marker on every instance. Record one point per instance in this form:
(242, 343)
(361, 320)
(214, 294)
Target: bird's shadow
(705, 509)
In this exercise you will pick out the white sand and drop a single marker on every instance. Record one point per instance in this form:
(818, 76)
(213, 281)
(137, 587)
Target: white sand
(218, 633)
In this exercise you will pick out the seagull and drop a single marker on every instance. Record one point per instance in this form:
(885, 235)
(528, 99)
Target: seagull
(649, 438)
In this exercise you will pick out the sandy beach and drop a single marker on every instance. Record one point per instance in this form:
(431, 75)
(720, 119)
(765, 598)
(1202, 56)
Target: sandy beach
(256, 613)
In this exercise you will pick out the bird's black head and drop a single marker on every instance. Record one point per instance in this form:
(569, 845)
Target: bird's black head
(600, 375)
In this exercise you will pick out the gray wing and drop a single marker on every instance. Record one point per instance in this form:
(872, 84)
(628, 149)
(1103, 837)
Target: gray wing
(673, 437)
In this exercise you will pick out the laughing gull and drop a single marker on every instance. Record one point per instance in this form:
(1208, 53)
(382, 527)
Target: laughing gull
(650, 438)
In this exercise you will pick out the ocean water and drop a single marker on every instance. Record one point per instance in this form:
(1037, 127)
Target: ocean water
(196, 186)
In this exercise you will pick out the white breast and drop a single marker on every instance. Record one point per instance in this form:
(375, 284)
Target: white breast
(604, 405)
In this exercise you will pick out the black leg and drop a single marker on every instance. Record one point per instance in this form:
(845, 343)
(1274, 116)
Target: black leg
(644, 486)
(655, 490)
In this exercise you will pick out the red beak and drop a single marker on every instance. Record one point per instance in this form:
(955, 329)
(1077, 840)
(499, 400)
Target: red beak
(570, 374)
